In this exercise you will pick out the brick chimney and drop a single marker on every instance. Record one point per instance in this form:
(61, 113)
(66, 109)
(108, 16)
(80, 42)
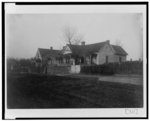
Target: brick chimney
(83, 43)
(51, 48)
(108, 41)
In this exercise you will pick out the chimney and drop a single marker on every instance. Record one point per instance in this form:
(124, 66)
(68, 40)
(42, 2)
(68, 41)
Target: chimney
(51, 48)
(83, 43)
(108, 41)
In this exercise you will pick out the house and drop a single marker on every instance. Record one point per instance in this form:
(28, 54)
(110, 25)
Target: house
(71, 57)
(49, 56)
(98, 53)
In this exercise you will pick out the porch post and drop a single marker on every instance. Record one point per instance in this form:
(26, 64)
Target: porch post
(97, 59)
(69, 59)
(73, 61)
(84, 60)
(90, 59)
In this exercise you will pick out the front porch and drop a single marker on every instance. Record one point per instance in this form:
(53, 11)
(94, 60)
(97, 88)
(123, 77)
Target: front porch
(65, 63)
(69, 59)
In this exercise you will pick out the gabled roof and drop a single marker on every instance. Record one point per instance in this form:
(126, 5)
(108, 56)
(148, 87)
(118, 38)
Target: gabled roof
(81, 50)
(84, 50)
(48, 52)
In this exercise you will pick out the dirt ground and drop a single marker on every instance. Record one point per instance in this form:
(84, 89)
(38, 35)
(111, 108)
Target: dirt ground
(119, 78)
(25, 91)
(129, 79)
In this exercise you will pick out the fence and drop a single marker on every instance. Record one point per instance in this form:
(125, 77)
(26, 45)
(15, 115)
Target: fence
(75, 69)
(128, 67)
(54, 69)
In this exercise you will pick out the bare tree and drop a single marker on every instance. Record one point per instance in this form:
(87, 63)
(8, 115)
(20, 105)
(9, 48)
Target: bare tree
(77, 39)
(71, 36)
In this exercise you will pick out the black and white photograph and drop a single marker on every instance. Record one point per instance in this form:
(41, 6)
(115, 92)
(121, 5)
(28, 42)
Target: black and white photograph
(79, 61)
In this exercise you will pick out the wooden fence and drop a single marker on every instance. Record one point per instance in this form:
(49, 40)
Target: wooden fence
(128, 67)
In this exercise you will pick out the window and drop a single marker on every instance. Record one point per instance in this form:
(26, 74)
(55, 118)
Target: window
(120, 59)
(106, 59)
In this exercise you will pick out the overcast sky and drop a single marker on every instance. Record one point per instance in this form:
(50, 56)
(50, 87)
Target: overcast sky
(25, 33)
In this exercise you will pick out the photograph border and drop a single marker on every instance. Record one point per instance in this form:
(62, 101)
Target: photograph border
(74, 3)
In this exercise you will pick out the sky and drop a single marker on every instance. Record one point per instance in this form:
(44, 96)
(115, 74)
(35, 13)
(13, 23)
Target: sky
(25, 33)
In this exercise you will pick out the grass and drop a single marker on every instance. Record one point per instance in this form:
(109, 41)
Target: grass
(41, 91)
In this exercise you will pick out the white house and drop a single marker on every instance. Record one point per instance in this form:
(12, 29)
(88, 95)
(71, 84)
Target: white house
(71, 56)
(98, 53)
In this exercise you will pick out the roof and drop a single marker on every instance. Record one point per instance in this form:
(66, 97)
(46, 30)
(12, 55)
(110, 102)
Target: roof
(86, 49)
(48, 52)
(119, 50)
(82, 50)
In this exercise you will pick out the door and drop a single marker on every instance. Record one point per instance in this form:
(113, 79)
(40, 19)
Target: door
(82, 60)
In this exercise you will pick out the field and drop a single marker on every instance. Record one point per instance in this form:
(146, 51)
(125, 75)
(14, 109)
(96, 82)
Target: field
(42, 91)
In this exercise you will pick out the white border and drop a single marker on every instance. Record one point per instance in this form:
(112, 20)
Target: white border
(11, 8)
(99, 112)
